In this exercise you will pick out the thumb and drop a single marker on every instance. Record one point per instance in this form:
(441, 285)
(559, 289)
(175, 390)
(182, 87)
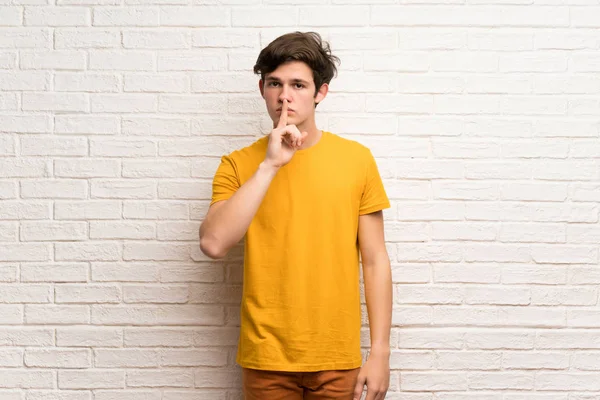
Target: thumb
(358, 389)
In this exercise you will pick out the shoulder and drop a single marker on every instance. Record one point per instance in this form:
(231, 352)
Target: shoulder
(255, 150)
(350, 148)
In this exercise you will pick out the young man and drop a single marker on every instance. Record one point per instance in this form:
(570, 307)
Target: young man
(307, 202)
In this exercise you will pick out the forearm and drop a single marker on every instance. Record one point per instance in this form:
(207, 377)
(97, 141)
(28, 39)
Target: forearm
(378, 294)
(224, 229)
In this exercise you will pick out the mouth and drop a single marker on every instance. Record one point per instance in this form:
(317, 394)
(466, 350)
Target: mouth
(289, 110)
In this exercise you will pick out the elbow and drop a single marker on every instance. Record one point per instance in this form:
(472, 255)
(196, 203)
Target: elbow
(211, 249)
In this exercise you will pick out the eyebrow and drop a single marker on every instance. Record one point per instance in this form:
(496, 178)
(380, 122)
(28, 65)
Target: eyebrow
(274, 78)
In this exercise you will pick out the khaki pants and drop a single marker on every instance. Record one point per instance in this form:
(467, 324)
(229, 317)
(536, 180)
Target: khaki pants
(320, 385)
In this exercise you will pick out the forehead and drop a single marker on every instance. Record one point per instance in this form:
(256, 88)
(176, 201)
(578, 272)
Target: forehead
(292, 70)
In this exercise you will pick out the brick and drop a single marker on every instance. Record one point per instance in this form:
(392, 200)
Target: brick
(190, 103)
(87, 168)
(223, 83)
(115, 60)
(8, 102)
(125, 358)
(157, 39)
(122, 230)
(155, 251)
(91, 379)
(231, 38)
(125, 272)
(89, 209)
(193, 61)
(564, 254)
(87, 251)
(59, 60)
(432, 39)
(123, 103)
(89, 125)
(23, 379)
(461, 190)
(25, 124)
(193, 358)
(151, 126)
(53, 146)
(86, 38)
(10, 210)
(204, 16)
(8, 60)
(159, 337)
(57, 189)
(53, 231)
(465, 273)
(468, 360)
(7, 146)
(450, 15)
(553, 296)
(500, 41)
(570, 381)
(10, 16)
(125, 16)
(54, 272)
(26, 81)
(167, 378)
(257, 17)
(25, 38)
(8, 190)
(170, 210)
(13, 294)
(428, 84)
(177, 230)
(326, 16)
(58, 358)
(504, 380)
(155, 294)
(122, 148)
(54, 314)
(57, 102)
(87, 294)
(73, 82)
(421, 381)
(24, 252)
(123, 189)
(89, 337)
(171, 83)
(404, 61)
(57, 16)
(158, 315)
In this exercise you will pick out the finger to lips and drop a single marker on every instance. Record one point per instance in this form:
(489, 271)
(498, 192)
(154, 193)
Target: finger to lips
(283, 115)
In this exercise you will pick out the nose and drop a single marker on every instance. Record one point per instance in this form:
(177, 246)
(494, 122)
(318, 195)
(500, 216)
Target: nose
(285, 94)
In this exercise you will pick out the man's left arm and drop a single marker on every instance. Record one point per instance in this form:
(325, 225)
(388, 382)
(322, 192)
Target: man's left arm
(377, 277)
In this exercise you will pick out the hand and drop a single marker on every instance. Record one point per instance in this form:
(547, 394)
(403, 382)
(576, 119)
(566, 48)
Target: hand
(375, 373)
(284, 140)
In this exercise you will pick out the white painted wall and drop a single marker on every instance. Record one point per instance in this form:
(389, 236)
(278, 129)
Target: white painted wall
(484, 118)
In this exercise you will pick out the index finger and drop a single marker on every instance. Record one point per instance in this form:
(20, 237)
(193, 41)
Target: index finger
(283, 116)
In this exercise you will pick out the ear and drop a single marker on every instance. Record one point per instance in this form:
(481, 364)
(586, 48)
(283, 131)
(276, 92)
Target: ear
(322, 93)
(261, 88)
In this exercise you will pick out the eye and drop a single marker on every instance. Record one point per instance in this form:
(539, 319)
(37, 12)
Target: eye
(299, 85)
(273, 83)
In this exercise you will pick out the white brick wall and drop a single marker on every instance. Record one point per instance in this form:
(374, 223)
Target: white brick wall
(484, 118)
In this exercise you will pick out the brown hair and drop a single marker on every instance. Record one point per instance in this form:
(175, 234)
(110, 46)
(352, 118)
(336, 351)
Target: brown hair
(307, 47)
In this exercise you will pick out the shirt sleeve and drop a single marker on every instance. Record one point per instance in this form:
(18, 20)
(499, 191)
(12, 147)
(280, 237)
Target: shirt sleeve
(374, 197)
(226, 180)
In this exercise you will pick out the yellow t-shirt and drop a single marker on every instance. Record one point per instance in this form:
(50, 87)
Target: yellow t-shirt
(301, 303)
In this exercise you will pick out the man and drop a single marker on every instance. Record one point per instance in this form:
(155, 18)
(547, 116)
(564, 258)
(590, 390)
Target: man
(307, 201)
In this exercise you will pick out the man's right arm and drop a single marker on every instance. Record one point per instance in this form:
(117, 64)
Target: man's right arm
(227, 221)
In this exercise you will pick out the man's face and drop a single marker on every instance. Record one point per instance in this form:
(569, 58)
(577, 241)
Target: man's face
(292, 81)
